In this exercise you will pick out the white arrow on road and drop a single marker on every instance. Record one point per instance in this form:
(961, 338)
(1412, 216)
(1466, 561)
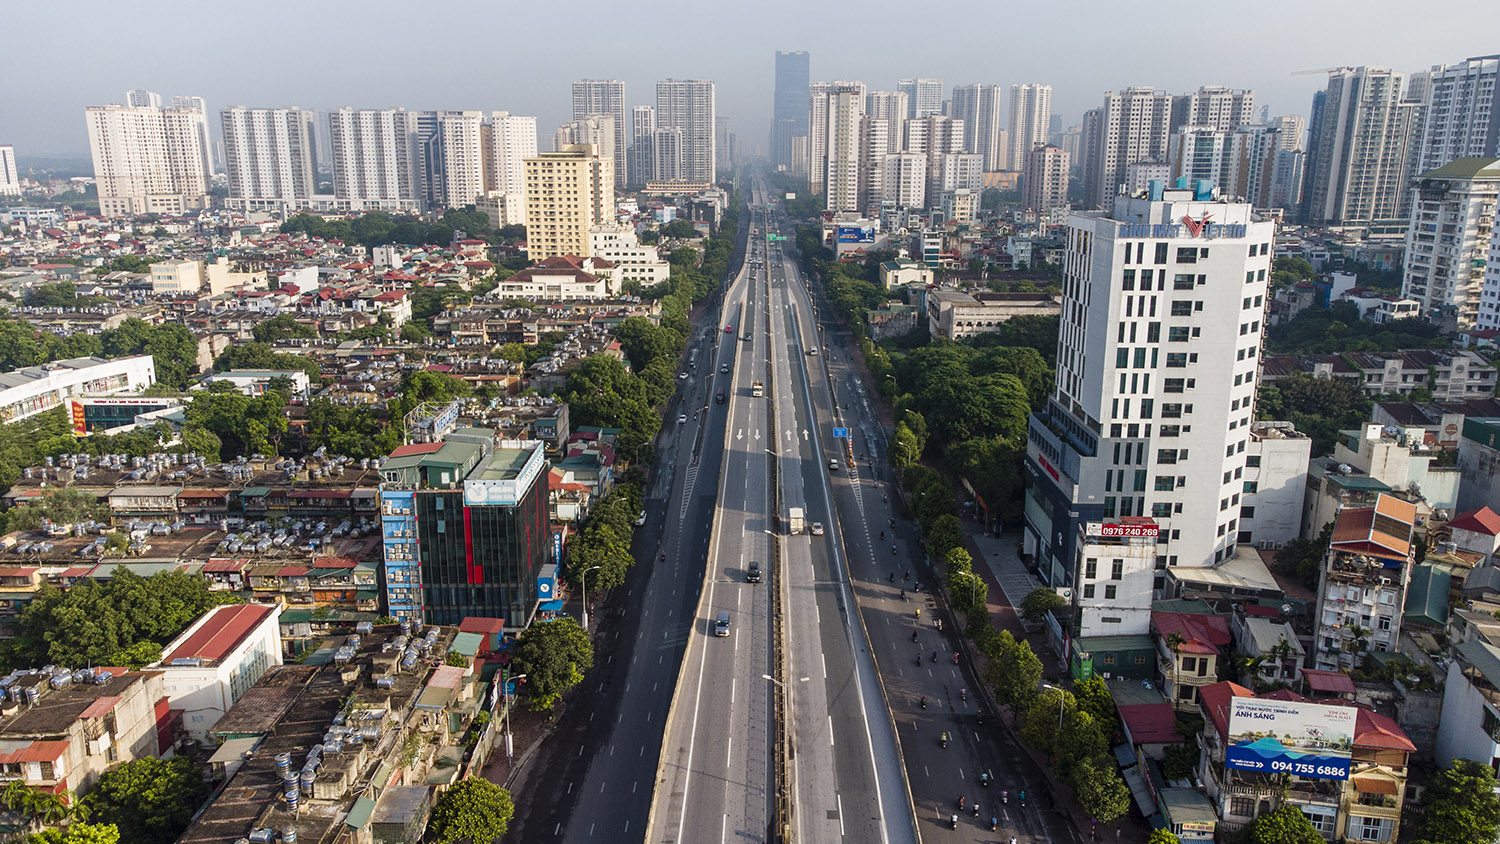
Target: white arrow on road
(740, 435)
(804, 435)
(757, 434)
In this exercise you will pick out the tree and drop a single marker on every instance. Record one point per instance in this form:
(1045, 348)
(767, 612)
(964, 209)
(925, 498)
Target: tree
(78, 833)
(474, 810)
(1460, 804)
(282, 327)
(680, 229)
(415, 332)
(172, 347)
(1093, 697)
(1039, 602)
(1014, 672)
(553, 655)
(60, 506)
(966, 590)
(1043, 717)
(945, 534)
(1180, 760)
(148, 799)
(1287, 825)
(1163, 836)
(1101, 792)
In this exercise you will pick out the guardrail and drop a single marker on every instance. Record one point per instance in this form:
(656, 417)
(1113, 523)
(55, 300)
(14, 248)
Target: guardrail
(784, 787)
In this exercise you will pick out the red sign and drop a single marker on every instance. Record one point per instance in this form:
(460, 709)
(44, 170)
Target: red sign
(1195, 227)
(1118, 530)
(1056, 476)
(80, 427)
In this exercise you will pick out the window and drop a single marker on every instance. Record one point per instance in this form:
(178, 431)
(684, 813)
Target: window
(1165, 483)
(1148, 406)
(1140, 480)
(1242, 806)
(1171, 430)
(1128, 282)
(1109, 505)
(1252, 461)
(1247, 512)
(1176, 360)
(1171, 411)
(1182, 281)
(1187, 254)
(1153, 332)
(1251, 486)
(1161, 253)
(1323, 820)
(1140, 359)
(1182, 307)
(1122, 358)
(1161, 510)
(1178, 334)
(1166, 455)
(1109, 593)
(1117, 570)
(1088, 590)
(1369, 829)
(1090, 569)
(1173, 385)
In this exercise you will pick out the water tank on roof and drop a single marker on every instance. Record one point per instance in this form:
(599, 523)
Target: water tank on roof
(262, 836)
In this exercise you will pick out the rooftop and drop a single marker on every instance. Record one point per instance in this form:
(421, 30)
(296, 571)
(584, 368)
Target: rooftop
(57, 709)
(220, 631)
(504, 464)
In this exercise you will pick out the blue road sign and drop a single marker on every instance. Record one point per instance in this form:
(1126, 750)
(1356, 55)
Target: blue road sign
(841, 433)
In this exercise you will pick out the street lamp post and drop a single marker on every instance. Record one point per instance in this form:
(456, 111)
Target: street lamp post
(509, 742)
(1062, 700)
(583, 592)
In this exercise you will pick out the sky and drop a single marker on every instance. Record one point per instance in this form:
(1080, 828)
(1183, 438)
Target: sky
(522, 56)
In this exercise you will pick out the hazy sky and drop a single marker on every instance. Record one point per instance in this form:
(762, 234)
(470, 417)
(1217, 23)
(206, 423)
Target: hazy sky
(521, 56)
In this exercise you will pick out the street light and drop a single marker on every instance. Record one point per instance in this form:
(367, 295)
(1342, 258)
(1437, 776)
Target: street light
(584, 592)
(509, 745)
(779, 683)
(1062, 699)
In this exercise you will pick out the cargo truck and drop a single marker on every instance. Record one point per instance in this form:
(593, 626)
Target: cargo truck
(757, 390)
(794, 519)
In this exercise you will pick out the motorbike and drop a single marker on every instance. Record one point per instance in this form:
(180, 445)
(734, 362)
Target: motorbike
(903, 594)
(960, 798)
(934, 656)
(955, 657)
(994, 822)
(940, 625)
(953, 823)
(919, 659)
(1023, 800)
(1005, 795)
(984, 779)
(976, 810)
(917, 587)
(963, 694)
(924, 701)
(943, 740)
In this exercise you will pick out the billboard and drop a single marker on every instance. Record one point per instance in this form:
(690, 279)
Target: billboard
(856, 234)
(1110, 529)
(1279, 736)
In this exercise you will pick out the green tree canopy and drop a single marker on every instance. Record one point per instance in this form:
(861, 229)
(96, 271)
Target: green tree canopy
(1460, 804)
(282, 327)
(553, 655)
(1286, 825)
(172, 347)
(262, 356)
(1102, 794)
(1014, 672)
(78, 833)
(473, 810)
(61, 506)
(1163, 836)
(1039, 602)
(149, 800)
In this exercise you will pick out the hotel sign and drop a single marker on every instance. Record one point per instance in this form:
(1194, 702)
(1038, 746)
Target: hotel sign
(1202, 228)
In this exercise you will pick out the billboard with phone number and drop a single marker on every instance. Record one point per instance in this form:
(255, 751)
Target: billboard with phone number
(1279, 736)
(856, 234)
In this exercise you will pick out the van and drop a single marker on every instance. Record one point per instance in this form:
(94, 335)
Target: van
(833, 464)
(752, 574)
(721, 624)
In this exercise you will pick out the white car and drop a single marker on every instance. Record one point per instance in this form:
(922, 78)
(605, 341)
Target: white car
(681, 418)
(682, 376)
(817, 528)
(641, 519)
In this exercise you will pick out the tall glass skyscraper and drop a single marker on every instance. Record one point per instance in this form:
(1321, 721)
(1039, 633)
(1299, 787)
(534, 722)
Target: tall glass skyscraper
(789, 110)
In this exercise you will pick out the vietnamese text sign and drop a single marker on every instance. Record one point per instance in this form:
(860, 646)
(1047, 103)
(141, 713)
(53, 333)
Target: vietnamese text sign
(1277, 736)
(1118, 530)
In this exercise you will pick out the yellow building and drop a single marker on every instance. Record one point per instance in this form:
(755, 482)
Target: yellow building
(568, 192)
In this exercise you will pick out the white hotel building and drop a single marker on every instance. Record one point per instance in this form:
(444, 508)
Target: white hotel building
(1162, 315)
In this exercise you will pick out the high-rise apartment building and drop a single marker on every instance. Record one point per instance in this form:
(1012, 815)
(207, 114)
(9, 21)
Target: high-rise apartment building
(1131, 126)
(1448, 242)
(374, 159)
(269, 157)
(147, 160)
(874, 148)
(904, 182)
(723, 145)
(1289, 130)
(604, 96)
(142, 98)
(1030, 119)
(789, 105)
(205, 141)
(1239, 162)
(666, 154)
(818, 127)
(1156, 376)
(1215, 107)
(642, 137)
(452, 157)
(1463, 113)
(978, 106)
(933, 134)
(688, 104)
(1044, 179)
(953, 171)
(10, 182)
(846, 110)
(923, 96)
(568, 192)
(507, 140)
(890, 106)
(596, 129)
(1360, 154)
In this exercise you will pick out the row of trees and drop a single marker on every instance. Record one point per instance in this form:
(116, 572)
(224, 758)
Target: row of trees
(1339, 328)
(603, 543)
(378, 228)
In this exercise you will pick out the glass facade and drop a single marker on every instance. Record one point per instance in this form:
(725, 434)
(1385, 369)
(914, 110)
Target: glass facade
(481, 560)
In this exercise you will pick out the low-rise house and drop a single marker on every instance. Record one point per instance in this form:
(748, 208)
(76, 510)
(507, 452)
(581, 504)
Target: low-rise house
(211, 665)
(1362, 586)
(1188, 649)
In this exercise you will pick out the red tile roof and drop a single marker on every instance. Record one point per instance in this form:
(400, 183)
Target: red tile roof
(1150, 723)
(1216, 698)
(479, 624)
(292, 571)
(100, 707)
(220, 633)
(225, 565)
(1484, 520)
(1202, 634)
(18, 571)
(1328, 682)
(37, 751)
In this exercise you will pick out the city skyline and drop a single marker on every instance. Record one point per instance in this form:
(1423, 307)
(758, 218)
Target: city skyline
(314, 73)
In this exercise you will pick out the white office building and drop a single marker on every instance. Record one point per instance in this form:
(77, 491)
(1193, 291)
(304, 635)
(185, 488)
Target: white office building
(604, 96)
(10, 182)
(148, 160)
(923, 96)
(1030, 115)
(1463, 113)
(1156, 375)
(633, 260)
(688, 104)
(269, 156)
(374, 159)
(507, 140)
(1448, 243)
(37, 389)
(978, 106)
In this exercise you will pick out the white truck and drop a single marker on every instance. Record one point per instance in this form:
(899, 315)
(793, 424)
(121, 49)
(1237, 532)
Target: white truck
(794, 518)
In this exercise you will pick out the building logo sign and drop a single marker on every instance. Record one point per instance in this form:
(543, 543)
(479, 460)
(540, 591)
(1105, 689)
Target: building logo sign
(1203, 229)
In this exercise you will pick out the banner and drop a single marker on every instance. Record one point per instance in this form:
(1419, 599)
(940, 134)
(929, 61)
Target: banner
(1276, 736)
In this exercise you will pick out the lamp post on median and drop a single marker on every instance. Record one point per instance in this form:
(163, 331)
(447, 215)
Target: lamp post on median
(583, 592)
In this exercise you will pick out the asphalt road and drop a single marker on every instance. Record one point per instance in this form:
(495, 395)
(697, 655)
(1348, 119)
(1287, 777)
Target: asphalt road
(978, 743)
(594, 778)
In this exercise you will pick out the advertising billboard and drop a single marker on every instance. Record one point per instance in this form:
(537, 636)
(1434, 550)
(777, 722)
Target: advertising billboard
(856, 234)
(1278, 736)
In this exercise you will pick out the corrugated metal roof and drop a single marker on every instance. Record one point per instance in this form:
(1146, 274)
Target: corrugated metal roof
(220, 633)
